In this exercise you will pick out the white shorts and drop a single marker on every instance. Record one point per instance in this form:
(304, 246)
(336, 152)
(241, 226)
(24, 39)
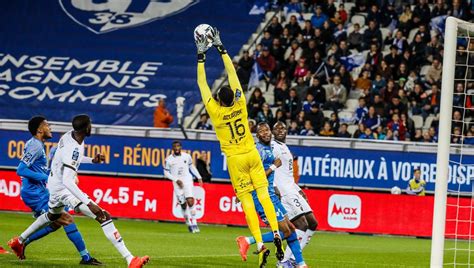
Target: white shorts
(295, 205)
(58, 201)
(185, 192)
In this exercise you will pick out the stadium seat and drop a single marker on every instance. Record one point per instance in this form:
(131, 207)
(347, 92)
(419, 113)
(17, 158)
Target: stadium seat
(348, 6)
(351, 104)
(418, 120)
(288, 16)
(411, 35)
(327, 113)
(269, 15)
(274, 110)
(358, 19)
(347, 115)
(385, 32)
(424, 70)
(307, 16)
(428, 121)
(352, 128)
(354, 94)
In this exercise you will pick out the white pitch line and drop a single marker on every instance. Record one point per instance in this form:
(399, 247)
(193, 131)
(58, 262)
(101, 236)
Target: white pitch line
(114, 258)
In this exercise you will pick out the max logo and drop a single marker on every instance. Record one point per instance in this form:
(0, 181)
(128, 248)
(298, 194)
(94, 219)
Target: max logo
(103, 16)
(345, 211)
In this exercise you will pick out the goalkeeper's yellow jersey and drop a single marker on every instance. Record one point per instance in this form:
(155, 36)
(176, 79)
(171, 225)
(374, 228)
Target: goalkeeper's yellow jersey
(231, 123)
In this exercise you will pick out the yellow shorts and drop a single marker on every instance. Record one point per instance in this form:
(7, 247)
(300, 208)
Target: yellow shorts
(246, 172)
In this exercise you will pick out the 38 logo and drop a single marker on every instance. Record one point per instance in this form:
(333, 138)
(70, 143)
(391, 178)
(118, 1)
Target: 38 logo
(102, 16)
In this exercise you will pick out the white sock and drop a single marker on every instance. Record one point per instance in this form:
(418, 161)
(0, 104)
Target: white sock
(39, 223)
(308, 235)
(116, 239)
(288, 253)
(259, 245)
(192, 216)
(186, 215)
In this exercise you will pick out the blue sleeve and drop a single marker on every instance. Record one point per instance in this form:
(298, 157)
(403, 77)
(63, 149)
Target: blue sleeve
(261, 152)
(32, 151)
(24, 171)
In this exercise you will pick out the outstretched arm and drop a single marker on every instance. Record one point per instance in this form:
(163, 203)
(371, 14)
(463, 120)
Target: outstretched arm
(202, 46)
(229, 66)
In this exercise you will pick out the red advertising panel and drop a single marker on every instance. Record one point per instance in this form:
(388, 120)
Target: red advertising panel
(357, 212)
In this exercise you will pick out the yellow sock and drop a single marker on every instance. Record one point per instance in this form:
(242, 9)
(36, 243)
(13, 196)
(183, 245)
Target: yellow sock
(268, 208)
(251, 215)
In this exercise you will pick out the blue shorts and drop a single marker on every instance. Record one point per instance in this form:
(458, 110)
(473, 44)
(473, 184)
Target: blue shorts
(279, 209)
(38, 201)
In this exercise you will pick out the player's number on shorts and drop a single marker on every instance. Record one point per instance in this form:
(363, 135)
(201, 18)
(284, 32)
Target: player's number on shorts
(236, 128)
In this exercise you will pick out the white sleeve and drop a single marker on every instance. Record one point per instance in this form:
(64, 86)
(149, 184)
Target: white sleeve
(193, 169)
(69, 181)
(167, 171)
(86, 160)
(276, 150)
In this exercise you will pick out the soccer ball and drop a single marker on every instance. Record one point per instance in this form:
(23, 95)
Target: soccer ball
(396, 190)
(204, 30)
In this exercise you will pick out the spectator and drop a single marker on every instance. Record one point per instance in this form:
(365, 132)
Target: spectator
(327, 131)
(397, 126)
(457, 120)
(203, 123)
(308, 129)
(411, 81)
(255, 103)
(458, 98)
(418, 137)
(384, 71)
(267, 39)
(418, 51)
(162, 117)
(363, 83)
(268, 64)
(361, 111)
(416, 98)
(280, 116)
(439, 9)
(337, 20)
(456, 136)
(372, 35)
(390, 16)
(343, 133)
(329, 8)
(308, 30)
(371, 119)
(393, 59)
(431, 102)
(252, 125)
(294, 6)
(378, 105)
(342, 13)
(424, 33)
(368, 135)
(405, 20)
(378, 84)
(433, 134)
(337, 94)
(469, 139)
(402, 72)
(389, 135)
(342, 50)
(282, 95)
(308, 52)
(319, 17)
(433, 48)
(416, 186)
(246, 63)
(293, 130)
(395, 107)
(293, 27)
(275, 28)
(281, 79)
(203, 167)
(265, 115)
(421, 13)
(317, 91)
(277, 51)
(381, 133)
(409, 125)
(316, 117)
(334, 122)
(400, 42)
(356, 38)
(294, 50)
(375, 15)
(301, 87)
(292, 106)
(301, 70)
(308, 103)
(434, 72)
(285, 38)
(359, 131)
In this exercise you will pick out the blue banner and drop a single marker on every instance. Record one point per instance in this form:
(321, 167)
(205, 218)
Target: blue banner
(112, 58)
(317, 165)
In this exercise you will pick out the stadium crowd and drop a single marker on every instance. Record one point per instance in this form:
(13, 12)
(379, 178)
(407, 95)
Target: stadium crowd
(310, 65)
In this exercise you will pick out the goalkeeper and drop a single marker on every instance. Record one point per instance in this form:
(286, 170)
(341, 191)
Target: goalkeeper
(228, 113)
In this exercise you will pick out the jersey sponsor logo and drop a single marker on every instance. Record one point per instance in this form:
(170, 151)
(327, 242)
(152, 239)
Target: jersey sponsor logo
(27, 157)
(199, 203)
(344, 211)
(238, 94)
(75, 154)
(232, 115)
(110, 15)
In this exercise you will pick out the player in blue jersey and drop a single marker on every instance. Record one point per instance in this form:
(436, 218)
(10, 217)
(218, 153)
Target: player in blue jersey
(287, 230)
(33, 170)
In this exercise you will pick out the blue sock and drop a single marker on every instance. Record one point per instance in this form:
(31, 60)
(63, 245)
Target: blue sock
(39, 234)
(268, 237)
(295, 247)
(76, 238)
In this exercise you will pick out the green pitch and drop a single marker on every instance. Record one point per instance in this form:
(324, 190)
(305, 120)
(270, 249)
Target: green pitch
(170, 245)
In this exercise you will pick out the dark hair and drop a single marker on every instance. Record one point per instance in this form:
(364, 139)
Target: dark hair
(226, 95)
(81, 122)
(34, 123)
(176, 142)
(261, 124)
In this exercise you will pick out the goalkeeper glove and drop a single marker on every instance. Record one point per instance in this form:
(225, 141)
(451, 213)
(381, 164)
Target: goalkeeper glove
(202, 47)
(216, 41)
